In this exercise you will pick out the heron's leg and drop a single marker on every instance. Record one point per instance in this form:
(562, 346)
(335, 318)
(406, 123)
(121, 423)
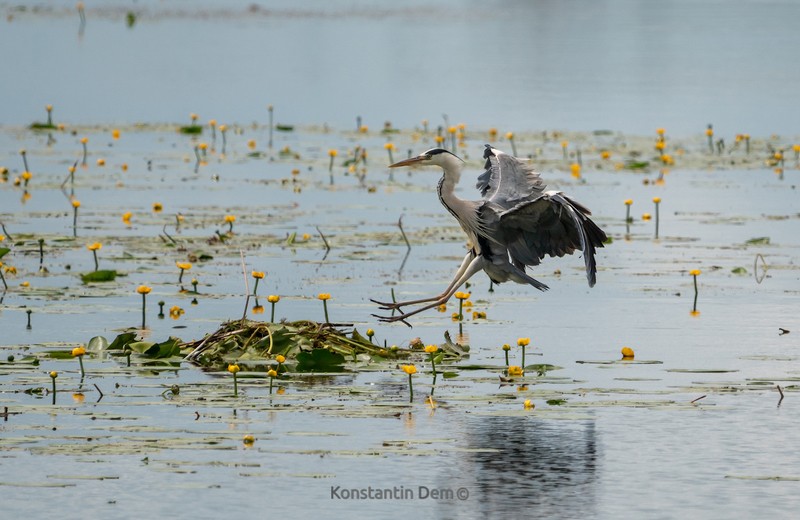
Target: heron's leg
(396, 305)
(476, 265)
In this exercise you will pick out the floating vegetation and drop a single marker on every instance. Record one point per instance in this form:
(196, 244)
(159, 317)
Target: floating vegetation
(303, 345)
(103, 275)
(191, 129)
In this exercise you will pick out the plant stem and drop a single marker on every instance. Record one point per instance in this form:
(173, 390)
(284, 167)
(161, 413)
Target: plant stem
(272, 314)
(96, 264)
(325, 307)
(433, 365)
(657, 219)
(80, 360)
(235, 386)
(694, 307)
(410, 389)
(144, 304)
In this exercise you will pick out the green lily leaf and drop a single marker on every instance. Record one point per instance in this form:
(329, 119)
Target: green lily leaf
(141, 346)
(103, 275)
(121, 341)
(320, 360)
(97, 344)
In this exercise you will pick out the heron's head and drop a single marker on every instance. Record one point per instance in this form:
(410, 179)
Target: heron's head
(433, 157)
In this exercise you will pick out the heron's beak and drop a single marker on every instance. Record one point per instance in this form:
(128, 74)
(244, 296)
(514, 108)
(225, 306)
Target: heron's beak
(409, 161)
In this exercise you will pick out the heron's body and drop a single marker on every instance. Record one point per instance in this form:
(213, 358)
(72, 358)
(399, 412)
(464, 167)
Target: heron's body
(516, 223)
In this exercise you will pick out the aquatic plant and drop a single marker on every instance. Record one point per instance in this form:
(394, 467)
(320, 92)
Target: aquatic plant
(324, 297)
(461, 296)
(657, 202)
(273, 299)
(257, 276)
(431, 350)
(627, 353)
(183, 266)
(695, 273)
(410, 370)
(515, 370)
(522, 343)
(390, 148)
(144, 291)
(234, 369)
(79, 352)
(710, 135)
(94, 247)
(53, 376)
(192, 128)
(510, 137)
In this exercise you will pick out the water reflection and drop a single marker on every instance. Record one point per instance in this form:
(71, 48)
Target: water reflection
(544, 468)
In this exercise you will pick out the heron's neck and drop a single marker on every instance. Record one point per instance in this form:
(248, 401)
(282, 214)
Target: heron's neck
(464, 211)
(451, 175)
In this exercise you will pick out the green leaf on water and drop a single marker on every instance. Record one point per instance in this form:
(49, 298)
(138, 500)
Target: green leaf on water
(3, 251)
(758, 241)
(103, 275)
(191, 129)
(97, 344)
(739, 270)
(636, 165)
(161, 350)
(449, 375)
(284, 128)
(141, 346)
(42, 126)
(556, 402)
(122, 341)
(320, 360)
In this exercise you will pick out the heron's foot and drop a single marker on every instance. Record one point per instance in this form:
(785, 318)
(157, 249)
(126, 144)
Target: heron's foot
(393, 319)
(388, 306)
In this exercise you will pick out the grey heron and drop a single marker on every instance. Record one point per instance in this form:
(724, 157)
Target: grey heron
(516, 224)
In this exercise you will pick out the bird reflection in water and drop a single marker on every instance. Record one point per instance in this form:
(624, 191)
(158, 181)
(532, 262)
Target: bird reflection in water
(542, 469)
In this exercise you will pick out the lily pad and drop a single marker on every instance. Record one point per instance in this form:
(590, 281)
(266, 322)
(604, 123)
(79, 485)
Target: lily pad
(103, 275)
(320, 360)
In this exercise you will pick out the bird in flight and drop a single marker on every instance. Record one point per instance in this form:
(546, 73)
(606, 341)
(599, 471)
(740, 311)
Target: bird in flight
(515, 225)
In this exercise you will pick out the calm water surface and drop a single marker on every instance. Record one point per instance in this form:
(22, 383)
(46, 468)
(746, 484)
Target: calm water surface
(625, 65)
(626, 441)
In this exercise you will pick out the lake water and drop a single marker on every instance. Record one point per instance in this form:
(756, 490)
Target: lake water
(625, 65)
(694, 427)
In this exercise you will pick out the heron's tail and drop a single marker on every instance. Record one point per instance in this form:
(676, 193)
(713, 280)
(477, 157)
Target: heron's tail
(592, 237)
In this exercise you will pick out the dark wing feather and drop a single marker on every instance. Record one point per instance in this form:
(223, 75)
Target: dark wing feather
(551, 224)
(508, 180)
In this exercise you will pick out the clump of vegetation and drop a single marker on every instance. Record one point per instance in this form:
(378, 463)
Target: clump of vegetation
(304, 346)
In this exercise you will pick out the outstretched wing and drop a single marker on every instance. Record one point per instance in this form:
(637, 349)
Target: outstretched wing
(508, 180)
(550, 224)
